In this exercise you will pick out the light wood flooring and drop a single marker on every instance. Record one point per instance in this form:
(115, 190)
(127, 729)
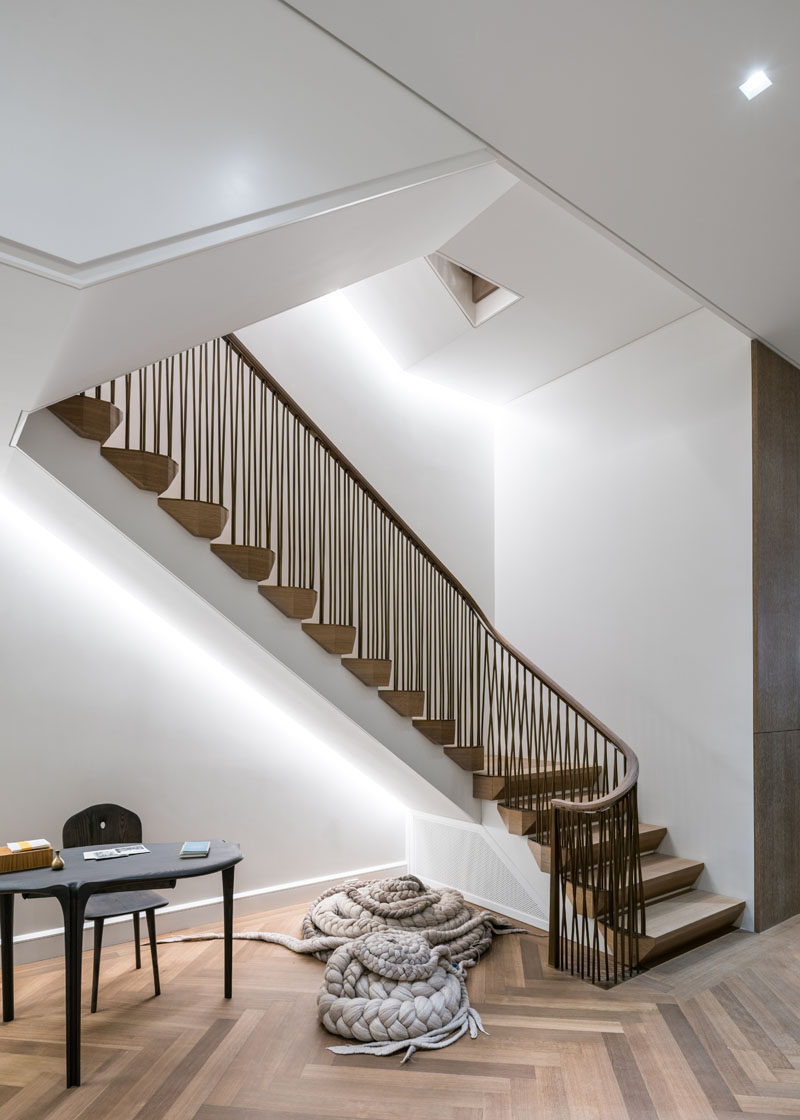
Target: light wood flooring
(714, 1033)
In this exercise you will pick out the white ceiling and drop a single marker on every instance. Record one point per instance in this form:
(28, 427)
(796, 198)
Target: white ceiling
(629, 111)
(125, 125)
(583, 296)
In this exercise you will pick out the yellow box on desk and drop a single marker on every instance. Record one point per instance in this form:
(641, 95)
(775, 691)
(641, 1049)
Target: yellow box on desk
(27, 860)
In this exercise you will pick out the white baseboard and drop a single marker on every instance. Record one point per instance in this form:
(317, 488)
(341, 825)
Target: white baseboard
(45, 943)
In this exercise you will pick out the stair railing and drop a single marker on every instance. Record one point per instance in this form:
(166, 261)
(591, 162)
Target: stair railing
(568, 783)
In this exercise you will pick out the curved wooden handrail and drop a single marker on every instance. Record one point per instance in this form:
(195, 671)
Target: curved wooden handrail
(631, 760)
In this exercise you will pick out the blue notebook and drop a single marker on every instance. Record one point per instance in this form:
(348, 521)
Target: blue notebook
(195, 849)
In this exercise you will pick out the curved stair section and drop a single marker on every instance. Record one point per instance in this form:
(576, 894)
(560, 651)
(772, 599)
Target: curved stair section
(327, 551)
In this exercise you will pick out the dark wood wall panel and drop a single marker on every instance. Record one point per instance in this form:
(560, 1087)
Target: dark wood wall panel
(776, 618)
(776, 540)
(777, 855)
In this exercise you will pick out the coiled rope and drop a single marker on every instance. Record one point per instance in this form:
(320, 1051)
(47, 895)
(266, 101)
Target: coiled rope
(392, 991)
(396, 953)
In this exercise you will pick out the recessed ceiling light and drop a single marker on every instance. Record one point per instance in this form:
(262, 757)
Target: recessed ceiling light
(755, 84)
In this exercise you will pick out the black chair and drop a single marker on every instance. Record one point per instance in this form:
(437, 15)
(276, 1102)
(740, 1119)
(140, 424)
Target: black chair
(110, 825)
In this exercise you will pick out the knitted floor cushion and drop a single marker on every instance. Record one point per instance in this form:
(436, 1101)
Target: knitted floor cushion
(356, 907)
(396, 952)
(391, 991)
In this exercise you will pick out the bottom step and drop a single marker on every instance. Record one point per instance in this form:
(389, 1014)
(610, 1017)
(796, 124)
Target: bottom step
(680, 919)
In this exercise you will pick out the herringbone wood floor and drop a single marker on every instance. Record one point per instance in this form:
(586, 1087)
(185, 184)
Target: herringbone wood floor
(715, 1033)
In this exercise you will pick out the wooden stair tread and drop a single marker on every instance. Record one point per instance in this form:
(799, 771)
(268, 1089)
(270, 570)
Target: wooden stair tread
(661, 875)
(677, 921)
(295, 602)
(88, 417)
(650, 836)
(371, 671)
(246, 560)
(201, 519)
(659, 869)
(468, 758)
(492, 787)
(520, 821)
(145, 469)
(442, 732)
(405, 702)
(334, 637)
(681, 912)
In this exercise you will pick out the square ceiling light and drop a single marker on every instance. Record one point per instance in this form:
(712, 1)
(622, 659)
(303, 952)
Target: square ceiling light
(755, 84)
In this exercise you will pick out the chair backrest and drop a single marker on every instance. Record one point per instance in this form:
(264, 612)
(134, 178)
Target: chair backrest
(102, 824)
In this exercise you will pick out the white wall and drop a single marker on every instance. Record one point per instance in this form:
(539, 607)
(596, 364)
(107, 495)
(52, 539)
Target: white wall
(623, 567)
(428, 450)
(104, 698)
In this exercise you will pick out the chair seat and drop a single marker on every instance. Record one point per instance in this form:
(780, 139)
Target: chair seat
(122, 902)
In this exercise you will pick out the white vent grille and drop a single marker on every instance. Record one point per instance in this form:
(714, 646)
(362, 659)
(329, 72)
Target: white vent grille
(452, 854)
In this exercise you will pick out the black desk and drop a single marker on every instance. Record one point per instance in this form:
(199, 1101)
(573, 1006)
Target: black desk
(159, 868)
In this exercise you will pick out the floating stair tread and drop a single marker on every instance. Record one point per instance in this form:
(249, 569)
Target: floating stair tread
(491, 787)
(677, 921)
(371, 671)
(662, 873)
(520, 821)
(650, 836)
(468, 758)
(334, 637)
(201, 519)
(684, 913)
(442, 732)
(246, 560)
(88, 417)
(295, 602)
(146, 469)
(407, 703)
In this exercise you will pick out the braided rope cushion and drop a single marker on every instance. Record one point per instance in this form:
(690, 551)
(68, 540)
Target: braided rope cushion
(357, 907)
(391, 991)
(396, 952)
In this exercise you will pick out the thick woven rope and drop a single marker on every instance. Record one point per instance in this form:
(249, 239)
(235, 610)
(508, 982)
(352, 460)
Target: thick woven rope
(396, 954)
(392, 991)
(357, 907)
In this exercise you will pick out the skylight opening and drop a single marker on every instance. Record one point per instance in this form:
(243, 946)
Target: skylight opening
(755, 84)
(479, 298)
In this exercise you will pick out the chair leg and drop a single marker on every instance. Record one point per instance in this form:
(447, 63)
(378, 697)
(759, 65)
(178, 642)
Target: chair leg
(136, 940)
(98, 944)
(150, 915)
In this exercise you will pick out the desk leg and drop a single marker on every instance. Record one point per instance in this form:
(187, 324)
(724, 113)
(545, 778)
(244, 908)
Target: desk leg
(7, 953)
(73, 907)
(227, 920)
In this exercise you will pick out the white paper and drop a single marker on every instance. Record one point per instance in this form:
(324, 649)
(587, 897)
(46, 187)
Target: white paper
(116, 853)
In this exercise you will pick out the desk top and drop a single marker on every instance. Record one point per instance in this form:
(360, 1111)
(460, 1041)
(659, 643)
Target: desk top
(159, 863)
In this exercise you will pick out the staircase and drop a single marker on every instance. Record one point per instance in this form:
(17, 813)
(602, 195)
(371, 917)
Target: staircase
(249, 471)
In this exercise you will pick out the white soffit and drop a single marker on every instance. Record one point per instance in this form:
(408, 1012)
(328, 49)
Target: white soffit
(220, 289)
(131, 125)
(630, 111)
(409, 310)
(582, 297)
